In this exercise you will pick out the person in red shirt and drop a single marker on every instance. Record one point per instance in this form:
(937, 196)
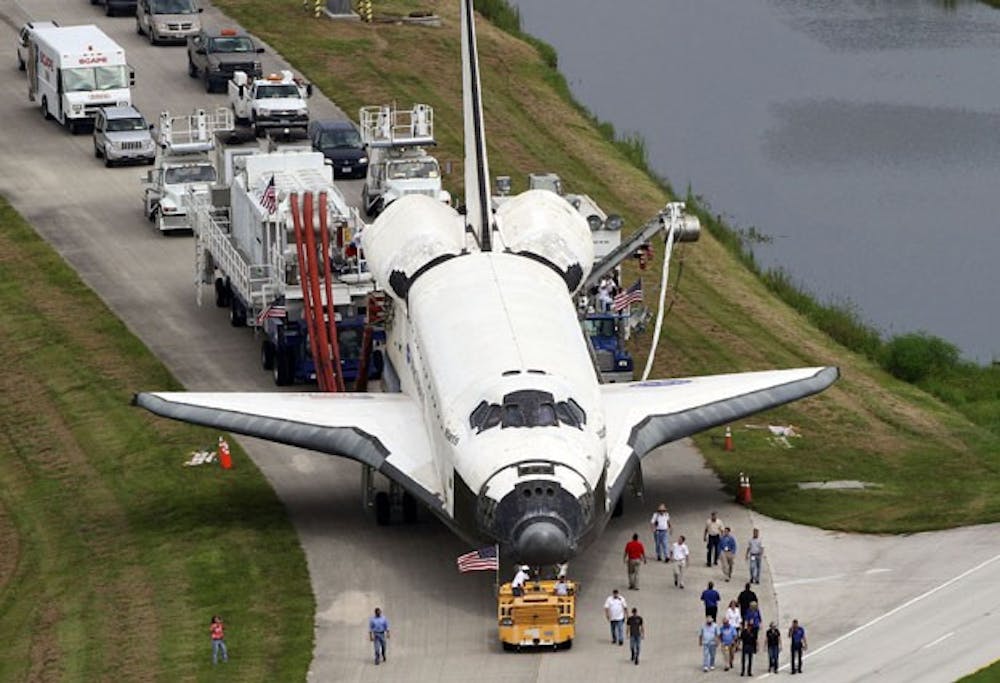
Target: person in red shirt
(635, 553)
(218, 640)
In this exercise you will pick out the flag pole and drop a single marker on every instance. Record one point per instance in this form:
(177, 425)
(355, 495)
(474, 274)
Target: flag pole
(496, 547)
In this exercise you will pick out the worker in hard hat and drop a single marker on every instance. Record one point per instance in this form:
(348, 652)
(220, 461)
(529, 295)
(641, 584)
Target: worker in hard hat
(523, 574)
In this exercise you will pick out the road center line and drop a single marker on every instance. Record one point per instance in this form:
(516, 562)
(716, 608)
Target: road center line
(933, 643)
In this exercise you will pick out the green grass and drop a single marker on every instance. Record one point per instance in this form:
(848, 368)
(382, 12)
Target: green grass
(114, 556)
(935, 465)
(989, 674)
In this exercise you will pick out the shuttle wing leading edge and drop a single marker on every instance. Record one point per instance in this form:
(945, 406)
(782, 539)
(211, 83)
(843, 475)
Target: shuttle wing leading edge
(642, 416)
(385, 431)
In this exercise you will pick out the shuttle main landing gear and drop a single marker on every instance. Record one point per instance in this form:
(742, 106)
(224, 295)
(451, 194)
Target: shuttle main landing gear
(391, 504)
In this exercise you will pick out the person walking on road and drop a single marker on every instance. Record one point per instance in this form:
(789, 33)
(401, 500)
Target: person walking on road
(708, 640)
(378, 633)
(773, 637)
(748, 644)
(752, 618)
(636, 632)
(711, 598)
(679, 557)
(712, 536)
(661, 532)
(614, 610)
(727, 544)
(218, 632)
(754, 555)
(745, 597)
(635, 553)
(797, 637)
(734, 615)
(729, 637)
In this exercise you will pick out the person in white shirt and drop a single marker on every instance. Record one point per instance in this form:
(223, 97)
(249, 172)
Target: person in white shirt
(733, 614)
(679, 556)
(562, 588)
(661, 532)
(614, 610)
(517, 585)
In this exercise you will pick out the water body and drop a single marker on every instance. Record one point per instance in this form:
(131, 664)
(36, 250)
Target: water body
(863, 136)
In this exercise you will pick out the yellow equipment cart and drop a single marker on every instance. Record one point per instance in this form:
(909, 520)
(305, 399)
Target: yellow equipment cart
(539, 617)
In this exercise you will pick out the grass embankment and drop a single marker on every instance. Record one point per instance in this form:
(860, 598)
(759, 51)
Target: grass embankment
(113, 556)
(935, 467)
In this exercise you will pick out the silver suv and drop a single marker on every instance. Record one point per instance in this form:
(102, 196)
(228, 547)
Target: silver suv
(122, 134)
(167, 20)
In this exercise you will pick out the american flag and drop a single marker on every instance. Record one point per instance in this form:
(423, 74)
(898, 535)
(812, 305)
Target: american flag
(272, 311)
(269, 199)
(484, 559)
(630, 296)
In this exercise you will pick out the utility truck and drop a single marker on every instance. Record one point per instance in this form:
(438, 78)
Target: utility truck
(538, 616)
(276, 102)
(247, 243)
(75, 70)
(398, 163)
(183, 165)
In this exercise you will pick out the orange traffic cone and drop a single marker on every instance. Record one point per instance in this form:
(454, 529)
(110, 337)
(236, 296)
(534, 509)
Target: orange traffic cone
(744, 496)
(225, 459)
(728, 444)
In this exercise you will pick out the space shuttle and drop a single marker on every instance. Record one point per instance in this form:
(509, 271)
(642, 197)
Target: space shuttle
(494, 418)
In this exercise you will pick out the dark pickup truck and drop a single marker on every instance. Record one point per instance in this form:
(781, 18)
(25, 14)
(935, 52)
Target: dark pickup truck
(214, 56)
(116, 6)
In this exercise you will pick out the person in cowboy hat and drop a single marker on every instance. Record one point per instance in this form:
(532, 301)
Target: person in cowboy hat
(660, 523)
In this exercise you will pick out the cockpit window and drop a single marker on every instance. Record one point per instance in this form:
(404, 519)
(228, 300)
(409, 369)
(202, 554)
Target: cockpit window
(527, 408)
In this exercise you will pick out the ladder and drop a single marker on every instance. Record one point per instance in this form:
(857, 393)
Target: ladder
(193, 133)
(387, 126)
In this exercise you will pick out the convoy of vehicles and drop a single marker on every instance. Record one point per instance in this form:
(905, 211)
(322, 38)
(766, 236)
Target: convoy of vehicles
(164, 21)
(341, 143)
(122, 134)
(398, 163)
(277, 102)
(75, 70)
(214, 56)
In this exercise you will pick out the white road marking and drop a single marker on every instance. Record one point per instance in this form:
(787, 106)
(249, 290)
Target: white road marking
(820, 579)
(933, 643)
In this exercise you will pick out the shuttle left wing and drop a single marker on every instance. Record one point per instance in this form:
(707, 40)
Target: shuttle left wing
(641, 416)
(384, 431)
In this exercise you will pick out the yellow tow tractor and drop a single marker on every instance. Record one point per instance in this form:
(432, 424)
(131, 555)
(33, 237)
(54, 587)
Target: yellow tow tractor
(539, 617)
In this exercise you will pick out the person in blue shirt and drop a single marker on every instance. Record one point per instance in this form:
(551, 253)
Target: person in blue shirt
(797, 637)
(378, 633)
(708, 639)
(752, 618)
(727, 544)
(711, 598)
(727, 636)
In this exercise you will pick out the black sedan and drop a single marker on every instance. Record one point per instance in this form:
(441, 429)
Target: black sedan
(340, 142)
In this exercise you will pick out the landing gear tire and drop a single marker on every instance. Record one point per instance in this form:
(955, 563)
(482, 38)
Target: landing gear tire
(237, 313)
(383, 509)
(409, 509)
(267, 354)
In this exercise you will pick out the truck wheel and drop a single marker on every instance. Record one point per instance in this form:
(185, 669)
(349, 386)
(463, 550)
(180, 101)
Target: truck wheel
(97, 152)
(138, 26)
(221, 292)
(153, 210)
(567, 645)
(107, 9)
(508, 647)
(267, 354)
(237, 314)
(192, 69)
(383, 511)
(45, 109)
(409, 509)
(107, 161)
(208, 83)
(365, 204)
(284, 365)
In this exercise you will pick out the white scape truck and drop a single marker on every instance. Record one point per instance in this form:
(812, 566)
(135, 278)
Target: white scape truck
(183, 165)
(249, 254)
(275, 102)
(73, 71)
(398, 163)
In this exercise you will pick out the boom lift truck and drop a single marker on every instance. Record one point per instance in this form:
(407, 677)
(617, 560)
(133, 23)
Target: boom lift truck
(183, 165)
(279, 245)
(398, 163)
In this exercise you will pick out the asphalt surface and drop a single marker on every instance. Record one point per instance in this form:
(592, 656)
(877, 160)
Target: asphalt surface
(443, 623)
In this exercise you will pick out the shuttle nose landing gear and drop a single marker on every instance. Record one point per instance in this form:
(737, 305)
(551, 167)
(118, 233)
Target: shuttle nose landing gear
(386, 499)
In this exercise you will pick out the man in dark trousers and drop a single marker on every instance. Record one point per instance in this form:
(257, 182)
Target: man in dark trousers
(711, 598)
(773, 647)
(636, 632)
(378, 633)
(797, 637)
(745, 598)
(748, 644)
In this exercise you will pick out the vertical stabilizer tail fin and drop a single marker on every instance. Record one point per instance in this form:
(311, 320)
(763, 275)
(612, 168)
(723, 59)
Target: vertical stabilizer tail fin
(478, 206)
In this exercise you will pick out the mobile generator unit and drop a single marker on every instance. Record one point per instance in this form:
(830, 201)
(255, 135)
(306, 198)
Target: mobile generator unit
(247, 244)
(538, 617)
(73, 71)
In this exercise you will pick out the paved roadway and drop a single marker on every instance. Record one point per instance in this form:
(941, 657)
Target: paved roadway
(443, 623)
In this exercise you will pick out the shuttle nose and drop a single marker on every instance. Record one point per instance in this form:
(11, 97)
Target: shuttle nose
(542, 542)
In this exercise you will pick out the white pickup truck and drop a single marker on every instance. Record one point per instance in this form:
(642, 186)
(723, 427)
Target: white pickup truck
(277, 101)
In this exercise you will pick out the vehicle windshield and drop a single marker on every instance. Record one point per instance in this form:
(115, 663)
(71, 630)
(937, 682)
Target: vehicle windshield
(231, 44)
(94, 78)
(174, 7)
(349, 342)
(417, 168)
(600, 327)
(340, 137)
(189, 174)
(118, 125)
(270, 92)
